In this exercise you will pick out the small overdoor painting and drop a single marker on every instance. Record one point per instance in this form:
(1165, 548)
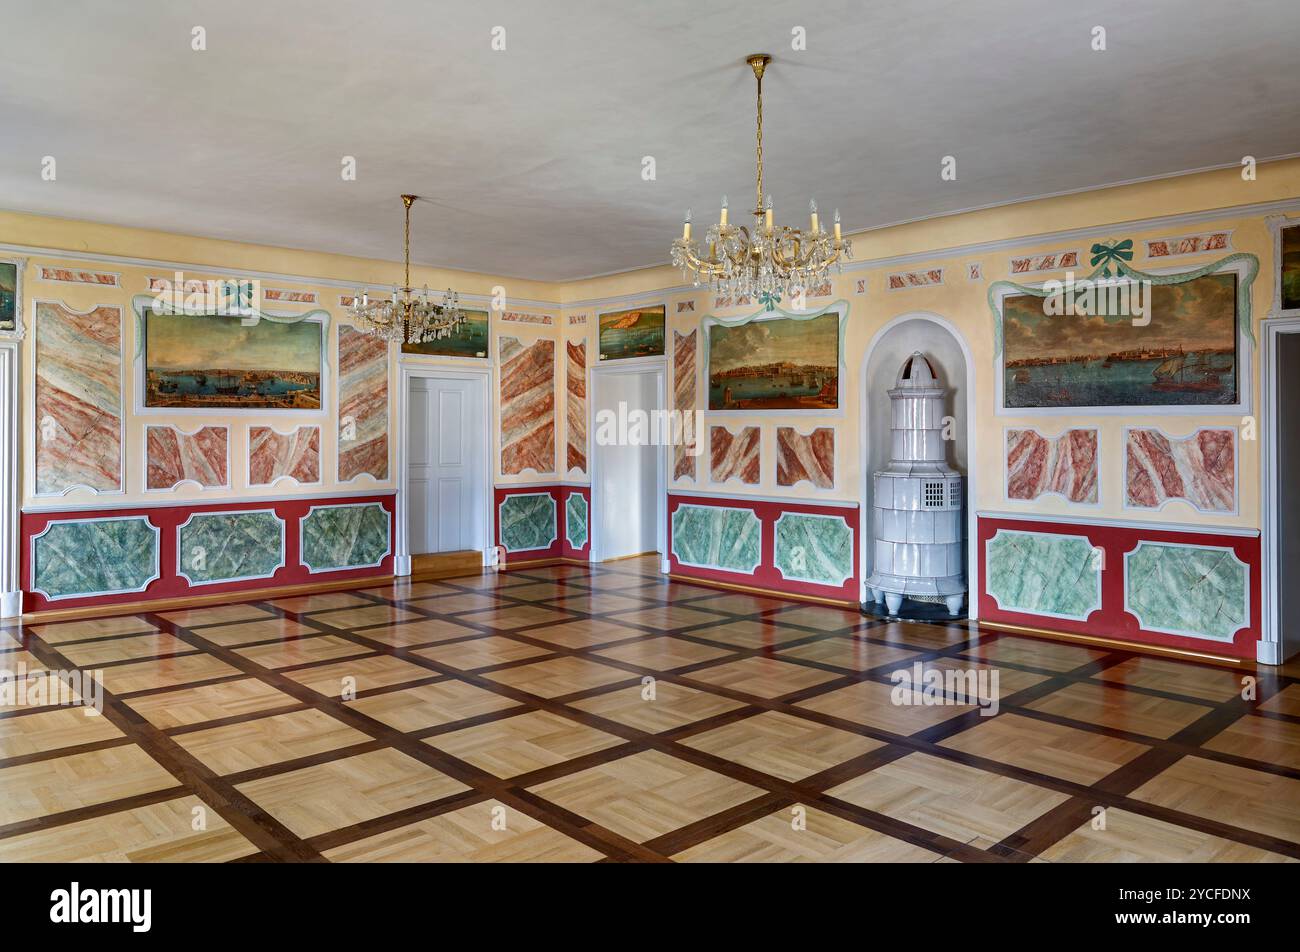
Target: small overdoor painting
(8, 295)
(780, 363)
(1290, 278)
(636, 332)
(467, 339)
(1182, 352)
(216, 362)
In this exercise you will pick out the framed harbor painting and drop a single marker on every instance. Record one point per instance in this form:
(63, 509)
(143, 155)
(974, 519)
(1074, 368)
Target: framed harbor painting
(634, 332)
(1290, 277)
(8, 295)
(220, 362)
(775, 363)
(1183, 352)
(467, 339)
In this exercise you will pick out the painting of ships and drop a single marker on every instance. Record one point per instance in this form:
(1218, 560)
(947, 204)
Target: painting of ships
(215, 362)
(775, 364)
(1192, 372)
(1185, 352)
(638, 332)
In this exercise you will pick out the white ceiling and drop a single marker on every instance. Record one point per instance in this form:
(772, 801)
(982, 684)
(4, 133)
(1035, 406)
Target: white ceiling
(530, 159)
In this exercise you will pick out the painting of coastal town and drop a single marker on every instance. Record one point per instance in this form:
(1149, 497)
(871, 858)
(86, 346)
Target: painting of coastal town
(775, 364)
(8, 295)
(637, 332)
(1183, 352)
(216, 362)
(469, 338)
(1291, 268)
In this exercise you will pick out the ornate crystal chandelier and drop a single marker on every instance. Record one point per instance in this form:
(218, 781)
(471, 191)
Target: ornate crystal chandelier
(408, 317)
(768, 262)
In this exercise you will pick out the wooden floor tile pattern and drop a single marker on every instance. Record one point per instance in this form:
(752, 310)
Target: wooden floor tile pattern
(578, 713)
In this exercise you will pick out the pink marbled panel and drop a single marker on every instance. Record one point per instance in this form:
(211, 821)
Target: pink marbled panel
(73, 276)
(173, 456)
(734, 455)
(1066, 465)
(363, 405)
(575, 406)
(272, 455)
(810, 457)
(684, 402)
(527, 406)
(78, 399)
(1200, 469)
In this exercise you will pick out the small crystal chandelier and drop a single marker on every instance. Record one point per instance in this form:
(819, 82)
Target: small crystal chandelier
(408, 317)
(769, 262)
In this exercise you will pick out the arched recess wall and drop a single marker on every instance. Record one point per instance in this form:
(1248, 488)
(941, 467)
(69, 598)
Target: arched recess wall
(951, 358)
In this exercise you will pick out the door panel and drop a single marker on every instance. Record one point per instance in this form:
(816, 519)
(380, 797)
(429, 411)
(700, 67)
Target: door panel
(446, 472)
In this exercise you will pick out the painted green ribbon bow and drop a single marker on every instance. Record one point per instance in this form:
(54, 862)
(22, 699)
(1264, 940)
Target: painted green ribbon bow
(769, 299)
(1103, 255)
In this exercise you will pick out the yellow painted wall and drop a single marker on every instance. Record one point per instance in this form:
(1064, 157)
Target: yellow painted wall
(1121, 211)
(1030, 226)
(41, 239)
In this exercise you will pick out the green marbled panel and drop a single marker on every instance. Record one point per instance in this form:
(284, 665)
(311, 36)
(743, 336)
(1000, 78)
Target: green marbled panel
(812, 548)
(95, 557)
(575, 520)
(345, 537)
(714, 537)
(228, 546)
(1187, 590)
(1043, 574)
(527, 521)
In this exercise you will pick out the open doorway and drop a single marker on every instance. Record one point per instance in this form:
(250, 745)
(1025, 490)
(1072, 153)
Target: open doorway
(443, 506)
(1281, 522)
(628, 475)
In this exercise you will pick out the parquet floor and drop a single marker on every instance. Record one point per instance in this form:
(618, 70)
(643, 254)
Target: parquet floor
(580, 714)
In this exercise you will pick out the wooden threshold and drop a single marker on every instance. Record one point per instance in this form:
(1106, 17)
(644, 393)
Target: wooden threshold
(463, 562)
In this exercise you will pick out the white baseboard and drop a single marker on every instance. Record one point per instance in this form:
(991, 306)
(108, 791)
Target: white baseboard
(1268, 652)
(401, 565)
(665, 566)
(11, 604)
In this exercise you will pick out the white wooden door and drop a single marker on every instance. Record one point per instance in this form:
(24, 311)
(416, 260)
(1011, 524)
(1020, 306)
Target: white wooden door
(445, 465)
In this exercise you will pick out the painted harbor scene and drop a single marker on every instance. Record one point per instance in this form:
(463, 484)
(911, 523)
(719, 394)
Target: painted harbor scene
(215, 362)
(1185, 356)
(8, 295)
(637, 332)
(469, 338)
(775, 364)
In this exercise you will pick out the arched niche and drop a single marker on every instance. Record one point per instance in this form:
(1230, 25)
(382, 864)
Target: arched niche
(951, 358)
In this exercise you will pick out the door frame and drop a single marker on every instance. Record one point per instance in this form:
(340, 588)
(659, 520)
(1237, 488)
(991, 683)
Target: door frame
(1270, 648)
(408, 371)
(633, 365)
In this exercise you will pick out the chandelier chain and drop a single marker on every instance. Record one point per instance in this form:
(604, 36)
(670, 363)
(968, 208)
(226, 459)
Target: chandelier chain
(758, 203)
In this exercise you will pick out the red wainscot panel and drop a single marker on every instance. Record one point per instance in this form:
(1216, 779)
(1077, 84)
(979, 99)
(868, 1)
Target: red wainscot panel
(529, 522)
(170, 582)
(575, 522)
(1111, 619)
(836, 528)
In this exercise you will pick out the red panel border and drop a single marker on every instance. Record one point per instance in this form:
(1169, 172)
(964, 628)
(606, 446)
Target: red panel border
(556, 549)
(169, 518)
(1111, 620)
(767, 576)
